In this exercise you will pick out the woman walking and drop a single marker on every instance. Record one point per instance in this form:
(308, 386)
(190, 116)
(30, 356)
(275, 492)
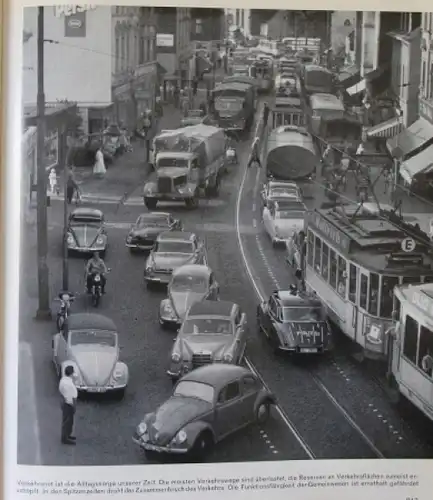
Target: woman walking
(99, 169)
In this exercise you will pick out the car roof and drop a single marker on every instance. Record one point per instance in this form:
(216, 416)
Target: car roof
(212, 308)
(154, 215)
(193, 270)
(282, 184)
(83, 211)
(217, 375)
(287, 299)
(176, 236)
(90, 321)
(285, 204)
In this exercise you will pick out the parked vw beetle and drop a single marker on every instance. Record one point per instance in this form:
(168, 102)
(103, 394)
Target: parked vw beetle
(86, 231)
(207, 405)
(89, 342)
(189, 284)
(147, 227)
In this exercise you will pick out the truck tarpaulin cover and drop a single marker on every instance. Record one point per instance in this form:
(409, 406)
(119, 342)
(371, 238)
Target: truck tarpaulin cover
(346, 129)
(206, 141)
(290, 154)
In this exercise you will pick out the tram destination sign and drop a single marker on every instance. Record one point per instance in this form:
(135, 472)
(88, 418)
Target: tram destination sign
(328, 231)
(423, 302)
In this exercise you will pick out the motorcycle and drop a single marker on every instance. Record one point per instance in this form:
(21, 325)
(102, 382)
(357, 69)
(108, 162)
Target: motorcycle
(231, 156)
(96, 288)
(65, 299)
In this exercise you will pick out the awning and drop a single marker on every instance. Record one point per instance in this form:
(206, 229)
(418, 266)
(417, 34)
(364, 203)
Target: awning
(347, 80)
(410, 139)
(420, 163)
(361, 85)
(387, 129)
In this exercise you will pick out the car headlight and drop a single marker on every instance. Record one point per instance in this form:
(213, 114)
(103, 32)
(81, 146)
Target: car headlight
(175, 357)
(184, 189)
(142, 428)
(168, 310)
(100, 240)
(118, 373)
(181, 437)
(129, 239)
(227, 358)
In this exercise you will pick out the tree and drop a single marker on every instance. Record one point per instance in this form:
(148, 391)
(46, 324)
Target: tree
(73, 118)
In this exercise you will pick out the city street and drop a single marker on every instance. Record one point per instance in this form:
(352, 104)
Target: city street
(329, 409)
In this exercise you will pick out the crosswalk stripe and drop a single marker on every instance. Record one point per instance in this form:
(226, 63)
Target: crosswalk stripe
(138, 202)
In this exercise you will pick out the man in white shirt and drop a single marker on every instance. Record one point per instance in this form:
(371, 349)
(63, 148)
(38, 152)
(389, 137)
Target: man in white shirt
(69, 395)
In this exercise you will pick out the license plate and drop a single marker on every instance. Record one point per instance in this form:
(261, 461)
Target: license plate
(152, 447)
(96, 389)
(309, 350)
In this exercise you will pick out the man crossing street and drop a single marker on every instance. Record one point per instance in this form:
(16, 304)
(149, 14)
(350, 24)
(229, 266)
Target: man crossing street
(69, 395)
(254, 156)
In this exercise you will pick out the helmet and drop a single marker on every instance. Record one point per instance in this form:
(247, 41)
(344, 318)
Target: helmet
(293, 289)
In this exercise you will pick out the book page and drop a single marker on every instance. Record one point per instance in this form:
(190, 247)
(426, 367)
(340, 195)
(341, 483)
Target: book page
(219, 266)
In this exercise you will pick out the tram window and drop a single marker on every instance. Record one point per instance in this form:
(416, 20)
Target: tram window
(325, 261)
(414, 280)
(425, 349)
(386, 297)
(410, 339)
(310, 248)
(333, 266)
(317, 254)
(342, 277)
(428, 279)
(374, 294)
(353, 275)
(363, 293)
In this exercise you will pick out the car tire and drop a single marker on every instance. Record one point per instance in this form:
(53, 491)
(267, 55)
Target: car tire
(150, 204)
(163, 324)
(263, 412)
(120, 394)
(202, 446)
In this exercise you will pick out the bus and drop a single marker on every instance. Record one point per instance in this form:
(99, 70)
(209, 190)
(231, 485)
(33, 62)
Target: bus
(323, 106)
(355, 258)
(411, 345)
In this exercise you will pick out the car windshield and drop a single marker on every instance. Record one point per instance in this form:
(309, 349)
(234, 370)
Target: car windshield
(185, 283)
(93, 337)
(207, 326)
(301, 313)
(148, 222)
(198, 390)
(283, 192)
(175, 247)
(172, 162)
(89, 221)
(289, 214)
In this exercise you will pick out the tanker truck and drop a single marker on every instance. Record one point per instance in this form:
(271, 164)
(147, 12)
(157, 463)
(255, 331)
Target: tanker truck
(186, 161)
(288, 154)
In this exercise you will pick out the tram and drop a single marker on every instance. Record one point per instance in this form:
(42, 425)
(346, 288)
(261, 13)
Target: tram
(286, 111)
(263, 72)
(411, 345)
(354, 260)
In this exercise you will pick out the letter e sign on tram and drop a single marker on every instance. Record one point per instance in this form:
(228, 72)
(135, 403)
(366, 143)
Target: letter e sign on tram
(408, 245)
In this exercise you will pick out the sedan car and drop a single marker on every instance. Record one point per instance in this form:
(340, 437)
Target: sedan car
(273, 190)
(86, 231)
(147, 227)
(189, 284)
(89, 342)
(294, 322)
(173, 249)
(207, 405)
(283, 218)
(212, 332)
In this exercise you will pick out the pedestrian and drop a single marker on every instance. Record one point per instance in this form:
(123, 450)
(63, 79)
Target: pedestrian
(194, 86)
(52, 178)
(99, 169)
(265, 114)
(71, 185)
(161, 92)
(69, 395)
(254, 156)
(202, 107)
(176, 93)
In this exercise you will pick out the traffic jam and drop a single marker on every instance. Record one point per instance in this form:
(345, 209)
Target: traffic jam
(333, 305)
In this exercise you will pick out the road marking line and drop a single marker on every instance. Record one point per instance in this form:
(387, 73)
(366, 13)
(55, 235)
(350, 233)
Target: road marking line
(254, 223)
(28, 362)
(254, 207)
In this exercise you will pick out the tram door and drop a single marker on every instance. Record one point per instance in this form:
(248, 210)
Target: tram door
(353, 296)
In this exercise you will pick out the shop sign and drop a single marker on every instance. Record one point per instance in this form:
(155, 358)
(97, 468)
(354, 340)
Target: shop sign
(423, 302)
(426, 110)
(71, 10)
(164, 40)
(51, 149)
(330, 233)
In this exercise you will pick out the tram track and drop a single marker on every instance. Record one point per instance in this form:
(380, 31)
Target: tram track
(322, 394)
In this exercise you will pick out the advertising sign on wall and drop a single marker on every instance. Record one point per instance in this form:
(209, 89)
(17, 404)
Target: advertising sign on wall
(164, 40)
(75, 25)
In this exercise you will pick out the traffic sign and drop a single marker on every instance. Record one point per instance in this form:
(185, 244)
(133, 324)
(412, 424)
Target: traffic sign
(408, 245)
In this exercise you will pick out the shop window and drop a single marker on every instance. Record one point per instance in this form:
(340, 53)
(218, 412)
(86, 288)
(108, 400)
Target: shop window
(341, 277)
(310, 248)
(325, 262)
(410, 339)
(425, 350)
(374, 294)
(387, 296)
(363, 292)
(353, 282)
(333, 269)
(317, 254)
(428, 279)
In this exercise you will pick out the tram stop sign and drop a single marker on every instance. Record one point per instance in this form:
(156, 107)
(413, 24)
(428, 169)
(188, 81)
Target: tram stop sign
(408, 245)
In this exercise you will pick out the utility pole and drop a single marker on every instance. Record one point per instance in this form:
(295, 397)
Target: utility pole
(65, 164)
(43, 312)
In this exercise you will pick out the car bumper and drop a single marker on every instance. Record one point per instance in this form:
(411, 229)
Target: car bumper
(158, 278)
(172, 322)
(140, 246)
(303, 350)
(101, 390)
(279, 240)
(99, 248)
(169, 196)
(159, 449)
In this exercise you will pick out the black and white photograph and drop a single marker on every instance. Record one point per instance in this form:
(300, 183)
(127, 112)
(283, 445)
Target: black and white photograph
(226, 247)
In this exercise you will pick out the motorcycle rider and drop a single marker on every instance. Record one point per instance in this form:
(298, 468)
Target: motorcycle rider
(231, 153)
(95, 265)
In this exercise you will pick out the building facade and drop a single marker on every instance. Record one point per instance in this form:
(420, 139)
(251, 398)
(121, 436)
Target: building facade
(77, 63)
(238, 18)
(207, 25)
(135, 70)
(426, 84)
